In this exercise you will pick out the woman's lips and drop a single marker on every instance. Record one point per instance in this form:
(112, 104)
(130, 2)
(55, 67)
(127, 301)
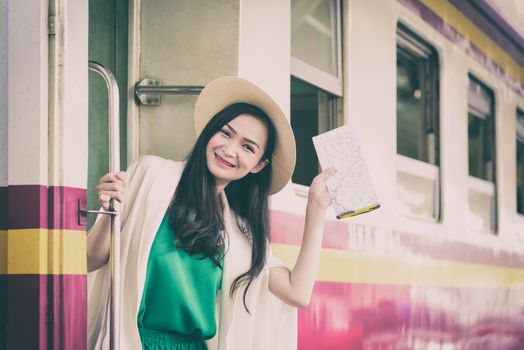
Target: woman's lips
(223, 163)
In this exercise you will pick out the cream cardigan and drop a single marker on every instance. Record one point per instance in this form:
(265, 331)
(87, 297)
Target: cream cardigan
(152, 182)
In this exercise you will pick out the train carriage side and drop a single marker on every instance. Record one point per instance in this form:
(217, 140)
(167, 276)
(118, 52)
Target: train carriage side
(434, 90)
(435, 93)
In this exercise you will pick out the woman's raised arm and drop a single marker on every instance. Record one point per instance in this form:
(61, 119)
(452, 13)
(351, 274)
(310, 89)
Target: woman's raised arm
(295, 287)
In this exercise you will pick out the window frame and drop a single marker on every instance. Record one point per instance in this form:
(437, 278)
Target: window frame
(317, 77)
(416, 45)
(334, 118)
(429, 169)
(477, 184)
(519, 113)
(425, 171)
(328, 83)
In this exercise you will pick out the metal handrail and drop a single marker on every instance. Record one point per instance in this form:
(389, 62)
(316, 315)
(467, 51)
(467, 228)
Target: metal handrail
(148, 91)
(169, 90)
(114, 166)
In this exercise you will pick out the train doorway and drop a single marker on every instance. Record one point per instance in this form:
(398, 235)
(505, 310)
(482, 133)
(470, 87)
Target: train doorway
(108, 45)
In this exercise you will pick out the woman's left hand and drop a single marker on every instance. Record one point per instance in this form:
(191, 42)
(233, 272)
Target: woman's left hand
(318, 194)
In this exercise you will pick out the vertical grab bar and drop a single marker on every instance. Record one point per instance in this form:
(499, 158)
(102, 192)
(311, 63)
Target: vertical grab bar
(114, 166)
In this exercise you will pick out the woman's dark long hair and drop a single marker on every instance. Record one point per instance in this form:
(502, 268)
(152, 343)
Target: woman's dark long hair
(195, 212)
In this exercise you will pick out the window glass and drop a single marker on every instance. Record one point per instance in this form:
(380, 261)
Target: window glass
(520, 161)
(418, 189)
(481, 157)
(409, 106)
(313, 111)
(316, 83)
(314, 33)
(417, 97)
(481, 134)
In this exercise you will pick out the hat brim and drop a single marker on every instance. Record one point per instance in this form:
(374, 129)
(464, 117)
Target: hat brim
(225, 91)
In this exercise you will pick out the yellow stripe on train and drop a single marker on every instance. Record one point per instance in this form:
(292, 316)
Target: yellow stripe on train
(464, 26)
(352, 267)
(43, 251)
(3, 252)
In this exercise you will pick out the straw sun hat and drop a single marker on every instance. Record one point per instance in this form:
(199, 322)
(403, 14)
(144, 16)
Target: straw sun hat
(225, 91)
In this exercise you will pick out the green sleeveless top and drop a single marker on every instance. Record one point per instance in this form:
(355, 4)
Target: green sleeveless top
(178, 303)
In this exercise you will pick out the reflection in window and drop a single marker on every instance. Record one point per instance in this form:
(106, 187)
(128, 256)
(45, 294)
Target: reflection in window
(520, 161)
(417, 97)
(481, 156)
(417, 126)
(313, 112)
(410, 109)
(314, 31)
(481, 135)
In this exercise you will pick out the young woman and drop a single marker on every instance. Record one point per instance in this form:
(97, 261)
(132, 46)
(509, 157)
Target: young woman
(191, 229)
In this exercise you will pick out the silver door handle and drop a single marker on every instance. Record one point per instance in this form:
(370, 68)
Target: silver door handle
(148, 92)
(83, 212)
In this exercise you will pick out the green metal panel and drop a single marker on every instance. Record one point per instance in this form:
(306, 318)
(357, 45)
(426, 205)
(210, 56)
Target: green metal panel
(108, 38)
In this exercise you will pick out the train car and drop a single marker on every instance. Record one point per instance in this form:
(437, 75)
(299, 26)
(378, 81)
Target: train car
(433, 90)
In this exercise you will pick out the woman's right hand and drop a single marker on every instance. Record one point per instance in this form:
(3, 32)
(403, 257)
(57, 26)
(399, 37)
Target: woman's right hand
(111, 185)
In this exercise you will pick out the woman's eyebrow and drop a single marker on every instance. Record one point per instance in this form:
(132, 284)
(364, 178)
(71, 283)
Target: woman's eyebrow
(245, 138)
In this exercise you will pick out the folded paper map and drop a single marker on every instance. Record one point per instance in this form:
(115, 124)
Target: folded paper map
(350, 189)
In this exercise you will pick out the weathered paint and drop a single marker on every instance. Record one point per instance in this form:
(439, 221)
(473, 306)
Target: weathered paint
(375, 316)
(346, 236)
(457, 28)
(43, 268)
(378, 289)
(484, 16)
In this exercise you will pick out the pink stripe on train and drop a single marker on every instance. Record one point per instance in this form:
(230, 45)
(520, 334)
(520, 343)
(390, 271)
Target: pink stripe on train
(287, 228)
(345, 316)
(38, 206)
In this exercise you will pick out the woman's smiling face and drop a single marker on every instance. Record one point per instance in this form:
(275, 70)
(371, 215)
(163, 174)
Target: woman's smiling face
(237, 150)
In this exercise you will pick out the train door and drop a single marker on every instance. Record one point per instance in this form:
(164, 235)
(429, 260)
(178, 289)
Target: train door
(179, 43)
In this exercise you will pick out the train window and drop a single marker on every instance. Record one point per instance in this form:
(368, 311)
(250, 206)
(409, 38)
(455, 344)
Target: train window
(417, 125)
(316, 82)
(313, 111)
(316, 43)
(481, 154)
(520, 161)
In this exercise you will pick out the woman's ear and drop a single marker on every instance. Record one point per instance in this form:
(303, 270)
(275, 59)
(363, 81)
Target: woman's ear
(260, 166)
